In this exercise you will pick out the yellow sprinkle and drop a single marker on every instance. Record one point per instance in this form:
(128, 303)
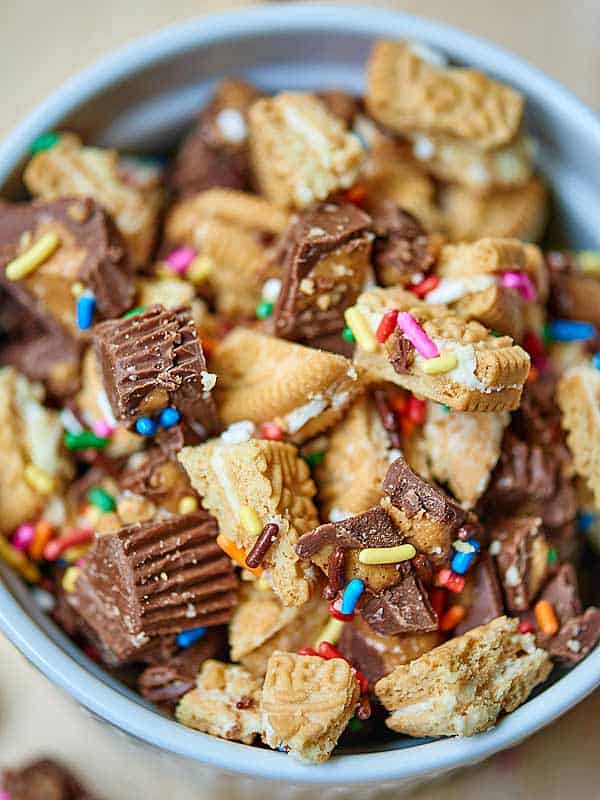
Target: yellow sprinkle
(387, 555)
(250, 521)
(435, 366)
(263, 585)
(332, 633)
(187, 505)
(358, 325)
(73, 554)
(77, 288)
(590, 262)
(93, 514)
(33, 258)
(200, 268)
(18, 561)
(38, 479)
(70, 577)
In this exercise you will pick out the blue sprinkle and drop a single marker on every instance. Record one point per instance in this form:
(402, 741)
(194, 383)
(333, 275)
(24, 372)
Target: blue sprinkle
(169, 417)
(86, 305)
(474, 544)
(351, 595)
(462, 561)
(146, 426)
(569, 330)
(585, 521)
(188, 638)
(596, 360)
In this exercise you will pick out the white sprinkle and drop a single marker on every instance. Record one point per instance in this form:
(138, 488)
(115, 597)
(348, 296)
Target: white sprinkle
(271, 289)
(70, 422)
(209, 380)
(316, 231)
(512, 576)
(478, 173)
(338, 515)
(494, 548)
(416, 278)
(423, 148)
(232, 125)
(574, 645)
(307, 286)
(190, 611)
(164, 576)
(298, 418)
(238, 432)
(352, 373)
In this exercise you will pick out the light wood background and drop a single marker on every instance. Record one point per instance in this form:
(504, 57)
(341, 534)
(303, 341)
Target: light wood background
(41, 44)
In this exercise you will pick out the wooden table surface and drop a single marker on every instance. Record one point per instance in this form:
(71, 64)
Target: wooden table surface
(43, 43)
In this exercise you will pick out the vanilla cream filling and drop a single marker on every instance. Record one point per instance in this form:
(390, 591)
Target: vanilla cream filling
(42, 428)
(217, 463)
(449, 290)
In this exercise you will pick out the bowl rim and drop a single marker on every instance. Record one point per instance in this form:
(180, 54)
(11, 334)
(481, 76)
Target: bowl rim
(144, 724)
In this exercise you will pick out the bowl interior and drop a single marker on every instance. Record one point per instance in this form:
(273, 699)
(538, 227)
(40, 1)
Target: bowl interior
(141, 100)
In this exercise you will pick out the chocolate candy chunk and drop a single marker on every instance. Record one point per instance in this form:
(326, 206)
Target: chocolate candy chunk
(325, 261)
(414, 496)
(577, 637)
(43, 780)
(373, 528)
(152, 360)
(166, 683)
(156, 578)
(157, 475)
(562, 592)
(404, 608)
(522, 559)
(401, 352)
(401, 248)
(216, 151)
(482, 596)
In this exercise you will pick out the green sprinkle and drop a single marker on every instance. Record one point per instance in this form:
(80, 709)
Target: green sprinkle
(446, 408)
(134, 312)
(101, 499)
(547, 333)
(347, 335)
(45, 142)
(496, 334)
(314, 459)
(552, 555)
(264, 309)
(355, 725)
(84, 441)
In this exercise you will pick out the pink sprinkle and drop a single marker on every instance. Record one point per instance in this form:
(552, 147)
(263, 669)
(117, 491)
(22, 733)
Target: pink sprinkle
(4, 795)
(102, 428)
(416, 335)
(179, 260)
(22, 538)
(522, 283)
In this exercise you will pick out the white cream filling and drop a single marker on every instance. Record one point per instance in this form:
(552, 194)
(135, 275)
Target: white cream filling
(238, 432)
(339, 515)
(313, 135)
(464, 372)
(298, 418)
(449, 290)
(42, 428)
(217, 463)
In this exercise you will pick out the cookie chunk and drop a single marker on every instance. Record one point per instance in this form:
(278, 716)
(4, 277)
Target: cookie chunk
(575, 292)
(215, 152)
(410, 94)
(462, 687)
(152, 360)
(162, 577)
(71, 170)
(520, 212)
(522, 557)
(225, 703)
(300, 151)
(376, 655)
(36, 467)
(356, 460)
(325, 263)
(462, 449)
(579, 401)
(249, 485)
(481, 372)
(262, 378)
(306, 704)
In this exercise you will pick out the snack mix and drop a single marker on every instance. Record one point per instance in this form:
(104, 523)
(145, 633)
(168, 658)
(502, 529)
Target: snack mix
(301, 427)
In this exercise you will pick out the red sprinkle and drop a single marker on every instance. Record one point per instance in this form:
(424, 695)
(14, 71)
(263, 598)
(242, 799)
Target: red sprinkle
(438, 600)
(416, 410)
(337, 614)
(386, 326)
(56, 547)
(534, 345)
(307, 651)
(427, 285)
(271, 431)
(526, 627)
(357, 194)
(450, 580)
(362, 681)
(397, 401)
(327, 650)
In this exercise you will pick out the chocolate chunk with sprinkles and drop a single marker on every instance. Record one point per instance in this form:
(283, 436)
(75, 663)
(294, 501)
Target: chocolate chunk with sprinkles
(482, 596)
(155, 578)
(325, 261)
(404, 608)
(401, 248)
(373, 528)
(44, 779)
(522, 559)
(577, 637)
(153, 360)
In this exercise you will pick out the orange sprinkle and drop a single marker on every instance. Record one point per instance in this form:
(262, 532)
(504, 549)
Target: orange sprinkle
(397, 401)
(43, 533)
(452, 617)
(209, 345)
(236, 554)
(407, 426)
(546, 618)
(357, 194)
(533, 374)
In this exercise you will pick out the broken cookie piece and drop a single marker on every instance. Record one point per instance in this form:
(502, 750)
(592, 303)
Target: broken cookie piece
(253, 484)
(307, 702)
(68, 169)
(461, 687)
(301, 152)
(155, 578)
(521, 551)
(225, 703)
(434, 353)
(263, 379)
(325, 263)
(152, 360)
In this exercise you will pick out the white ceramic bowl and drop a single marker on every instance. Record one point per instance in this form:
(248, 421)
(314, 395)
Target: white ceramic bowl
(141, 98)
